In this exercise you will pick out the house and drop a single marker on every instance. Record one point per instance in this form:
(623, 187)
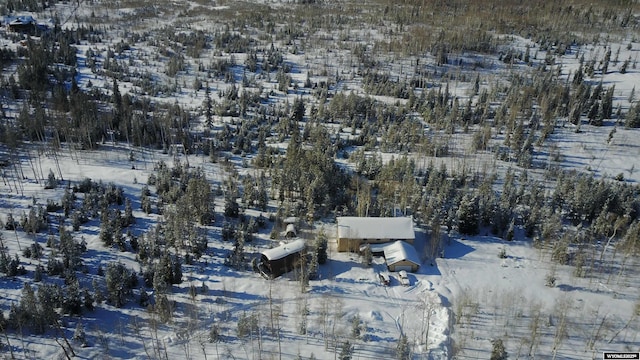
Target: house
(401, 256)
(24, 24)
(282, 259)
(355, 231)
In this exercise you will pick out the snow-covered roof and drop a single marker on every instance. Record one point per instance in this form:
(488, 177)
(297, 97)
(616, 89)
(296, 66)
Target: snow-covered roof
(351, 227)
(283, 250)
(291, 230)
(20, 20)
(400, 251)
(375, 248)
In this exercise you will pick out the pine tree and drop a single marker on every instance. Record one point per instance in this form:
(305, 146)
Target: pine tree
(498, 352)
(346, 351)
(208, 106)
(145, 201)
(106, 229)
(632, 119)
(606, 107)
(118, 280)
(128, 219)
(72, 303)
(116, 100)
(79, 335)
(164, 308)
(29, 308)
(321, 246)
(231, 206)
(468, 215)
(605, 61)
(298, 110)
(403, 350)
(87, 299)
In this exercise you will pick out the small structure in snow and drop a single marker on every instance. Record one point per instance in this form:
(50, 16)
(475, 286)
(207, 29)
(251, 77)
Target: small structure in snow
(290, 232)
(401, 256)
(290, 220)
(282, 259)
(384, 278)
(404, 278)
(354, 231)
(24, 24)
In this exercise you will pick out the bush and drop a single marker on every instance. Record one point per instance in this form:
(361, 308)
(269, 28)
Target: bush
(214, 333)
(550, 280)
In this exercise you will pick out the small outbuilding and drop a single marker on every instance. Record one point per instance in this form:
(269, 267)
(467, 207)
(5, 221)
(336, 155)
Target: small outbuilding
(401, 256)
(355, 231)
(290, 231)
(282, 259)
(24, 24)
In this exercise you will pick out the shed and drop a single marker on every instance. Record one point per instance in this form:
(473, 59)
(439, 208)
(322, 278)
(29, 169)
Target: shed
(290, 231)
(401, 256)
(23, 24)
(354, 231)
(282, 259)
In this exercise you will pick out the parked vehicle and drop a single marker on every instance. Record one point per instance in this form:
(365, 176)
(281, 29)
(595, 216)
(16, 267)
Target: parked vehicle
(404, 278)
(384, 278)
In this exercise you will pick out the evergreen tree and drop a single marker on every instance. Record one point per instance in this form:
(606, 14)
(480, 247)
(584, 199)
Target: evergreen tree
(208, 106)
(403, 350)
(498, 351)
(346, 351)
(118, 279)
(72, 303)
(164, 308)
(298, 110)
(88, 300)
(145, 201)
(605, 61)
(321, 247)
(106, 229)
(632, 119)
(468, 215)
(607, 103)
(231, 206)
(79, 335)
(128, 218)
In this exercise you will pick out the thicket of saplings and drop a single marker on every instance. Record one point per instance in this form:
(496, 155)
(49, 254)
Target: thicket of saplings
(38, 108)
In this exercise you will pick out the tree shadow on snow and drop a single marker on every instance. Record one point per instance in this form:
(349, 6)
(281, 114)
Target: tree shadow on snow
(456, 249)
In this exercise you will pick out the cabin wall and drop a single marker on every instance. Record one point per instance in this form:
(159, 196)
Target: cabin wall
(283, 265)
(353, 245)
(403, 265)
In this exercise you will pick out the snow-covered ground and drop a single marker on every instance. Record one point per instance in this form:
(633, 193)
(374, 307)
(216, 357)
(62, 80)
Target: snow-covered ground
(455, 304)
(470, 291)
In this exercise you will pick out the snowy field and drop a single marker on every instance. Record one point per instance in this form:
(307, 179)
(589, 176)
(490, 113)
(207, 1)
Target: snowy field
(470, 290)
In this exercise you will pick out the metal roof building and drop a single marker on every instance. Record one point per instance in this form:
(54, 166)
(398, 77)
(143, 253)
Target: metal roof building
(354, 231)
(401, 256)
(282, 259)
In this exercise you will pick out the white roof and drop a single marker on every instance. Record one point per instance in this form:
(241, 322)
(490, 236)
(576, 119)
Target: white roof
(400, 251)
(284, 250)
(375, 248)
(351, 227)
(291, 228)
